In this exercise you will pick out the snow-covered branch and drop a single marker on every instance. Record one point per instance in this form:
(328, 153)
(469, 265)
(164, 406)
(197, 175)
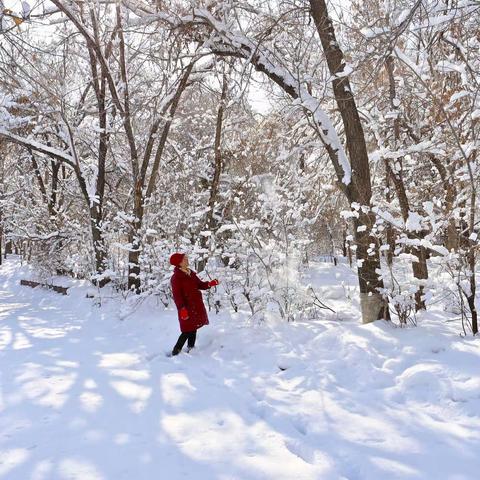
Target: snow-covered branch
(38, 147)
(222, 40)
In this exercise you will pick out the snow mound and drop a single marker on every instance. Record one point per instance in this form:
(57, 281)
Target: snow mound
(424, 383)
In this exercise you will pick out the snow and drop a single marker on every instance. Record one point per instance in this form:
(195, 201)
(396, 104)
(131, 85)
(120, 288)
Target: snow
(26, 9)
(414, 222)
(345, 72)
(459, 95)
(417, 69)
(373, 32)
(86, 395)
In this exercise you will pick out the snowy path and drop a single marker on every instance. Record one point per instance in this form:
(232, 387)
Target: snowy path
(84, 395)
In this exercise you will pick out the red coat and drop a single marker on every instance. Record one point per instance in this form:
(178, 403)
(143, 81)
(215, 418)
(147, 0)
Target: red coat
(186, 293)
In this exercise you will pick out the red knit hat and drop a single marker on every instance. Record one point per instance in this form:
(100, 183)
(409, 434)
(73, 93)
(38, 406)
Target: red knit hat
(176, 259)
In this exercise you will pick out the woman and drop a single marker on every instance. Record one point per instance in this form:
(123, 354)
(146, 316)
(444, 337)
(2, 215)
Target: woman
(186, 288)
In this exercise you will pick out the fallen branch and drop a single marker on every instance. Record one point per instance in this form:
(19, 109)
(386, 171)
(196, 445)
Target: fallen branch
(56, 288)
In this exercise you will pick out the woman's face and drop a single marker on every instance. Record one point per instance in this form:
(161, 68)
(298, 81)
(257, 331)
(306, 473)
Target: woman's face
(184, 262)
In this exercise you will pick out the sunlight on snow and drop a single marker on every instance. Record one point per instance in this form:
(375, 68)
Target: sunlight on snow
(75, 469)
(132, 391)
(176, 388)
(130, 374)
(21, 342)
(44, 388)
(42, 470)
(252, 449)
(90, 383)
(9, 459)
(124, 365)
(34, 327)
(6, 309)
(6, 337)
(118, 360)
(91, 401)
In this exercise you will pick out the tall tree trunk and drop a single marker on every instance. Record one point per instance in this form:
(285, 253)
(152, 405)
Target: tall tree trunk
(389, 231)
(470, 248)
(142, 197)
(473, 290)
(99, 245)
(420, 269)
(471, 253)
(134, 238)
(99, 82)
(210, 221)
(373, 305)
(1, 235)
(2, 194)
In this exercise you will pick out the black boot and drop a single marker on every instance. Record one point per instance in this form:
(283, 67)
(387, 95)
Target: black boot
(192, 336)
(180, 343)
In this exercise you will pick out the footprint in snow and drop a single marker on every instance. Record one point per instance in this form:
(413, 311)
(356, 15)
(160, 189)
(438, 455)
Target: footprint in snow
(256, 395)
(155, 355)
(259, 409)
(209, 374)
(151, 356)
(301, 450)
(159, 355)
(300, 426)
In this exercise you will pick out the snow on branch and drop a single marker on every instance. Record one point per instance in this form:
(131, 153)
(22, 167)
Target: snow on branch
(224, 41)
(38, 147)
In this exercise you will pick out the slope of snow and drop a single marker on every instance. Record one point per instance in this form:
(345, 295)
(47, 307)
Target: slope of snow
(86, 395)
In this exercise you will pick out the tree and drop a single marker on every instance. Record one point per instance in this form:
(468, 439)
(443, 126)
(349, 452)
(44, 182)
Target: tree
(357, 188)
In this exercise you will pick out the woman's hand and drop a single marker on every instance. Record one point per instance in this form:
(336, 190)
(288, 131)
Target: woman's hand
(213, 283)
(183, 313)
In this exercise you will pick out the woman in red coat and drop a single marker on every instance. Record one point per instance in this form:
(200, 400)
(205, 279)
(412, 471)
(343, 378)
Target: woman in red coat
(186, 288)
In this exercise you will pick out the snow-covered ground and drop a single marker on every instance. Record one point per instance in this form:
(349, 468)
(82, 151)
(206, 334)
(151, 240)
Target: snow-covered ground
(86, 395)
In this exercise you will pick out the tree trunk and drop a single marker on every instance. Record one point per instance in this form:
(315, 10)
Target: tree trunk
(373, 304)
(2, 193)
(141, 198)
(99, 246)
(471, 297)
(471, 251)
(134, 282)
(210, 222)
(344, 243)
(135, 241)
(420, 269)
(420, 272)
(468, 250)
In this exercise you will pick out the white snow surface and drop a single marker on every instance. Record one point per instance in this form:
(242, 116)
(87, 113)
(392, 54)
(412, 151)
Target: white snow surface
(85, 395)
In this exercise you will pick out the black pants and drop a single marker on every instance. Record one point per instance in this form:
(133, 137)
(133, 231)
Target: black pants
(190, 336)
